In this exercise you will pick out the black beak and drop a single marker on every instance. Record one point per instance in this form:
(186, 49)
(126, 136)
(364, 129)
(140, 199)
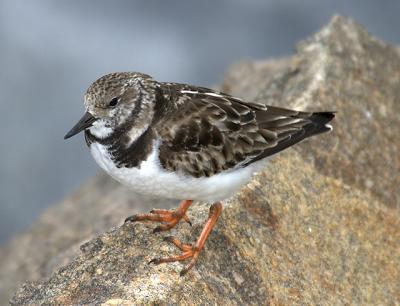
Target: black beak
(85, 122)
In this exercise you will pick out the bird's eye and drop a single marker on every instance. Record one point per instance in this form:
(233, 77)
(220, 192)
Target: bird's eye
(114, 101)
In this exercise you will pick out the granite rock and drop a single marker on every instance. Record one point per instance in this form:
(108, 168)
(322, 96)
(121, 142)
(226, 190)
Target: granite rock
(345, 69)
(320, 225)
(54, 239)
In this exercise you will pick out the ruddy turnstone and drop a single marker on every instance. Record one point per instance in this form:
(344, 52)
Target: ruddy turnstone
(184, 142)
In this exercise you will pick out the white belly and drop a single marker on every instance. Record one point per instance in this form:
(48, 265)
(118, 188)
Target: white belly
(150, 179)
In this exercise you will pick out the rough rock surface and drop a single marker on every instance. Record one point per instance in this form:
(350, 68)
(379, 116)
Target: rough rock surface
(320, 225)
(55, 238)
(341, 68)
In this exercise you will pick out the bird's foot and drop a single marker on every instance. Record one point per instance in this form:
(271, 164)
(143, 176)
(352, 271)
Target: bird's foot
(170, 217)
(188, 250)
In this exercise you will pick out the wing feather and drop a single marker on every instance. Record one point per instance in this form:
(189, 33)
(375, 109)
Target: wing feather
(209, 132)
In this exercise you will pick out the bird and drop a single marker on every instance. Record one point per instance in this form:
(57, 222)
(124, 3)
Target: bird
(184, 142)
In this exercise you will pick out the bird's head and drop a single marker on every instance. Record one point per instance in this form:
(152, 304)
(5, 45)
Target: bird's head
(114, 100)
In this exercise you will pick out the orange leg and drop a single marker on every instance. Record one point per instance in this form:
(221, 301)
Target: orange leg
(189, 251)
(171, 217)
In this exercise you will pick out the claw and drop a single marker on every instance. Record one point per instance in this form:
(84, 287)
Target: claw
(155, 261)
(168, 239)
(157, 230)
(130, 219)
(183, 272)
(187, 220)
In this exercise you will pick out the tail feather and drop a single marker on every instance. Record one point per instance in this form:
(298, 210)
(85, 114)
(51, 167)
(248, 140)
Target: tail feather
(311, 124)
(320, 122)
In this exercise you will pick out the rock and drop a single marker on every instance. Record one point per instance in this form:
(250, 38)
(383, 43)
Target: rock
(341, 68)
(306, 240)
(55, 238)
(320, 225)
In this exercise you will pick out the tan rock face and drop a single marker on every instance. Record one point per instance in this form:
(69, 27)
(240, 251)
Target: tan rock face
(340, 68)
(320, 225)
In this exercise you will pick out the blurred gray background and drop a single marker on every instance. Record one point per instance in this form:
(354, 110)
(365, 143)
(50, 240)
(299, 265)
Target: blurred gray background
(50, 51)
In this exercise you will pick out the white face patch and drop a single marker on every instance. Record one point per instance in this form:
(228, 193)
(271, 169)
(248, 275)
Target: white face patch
(99, 129)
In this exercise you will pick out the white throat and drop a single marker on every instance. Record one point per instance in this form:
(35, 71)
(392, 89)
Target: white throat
(100, 130)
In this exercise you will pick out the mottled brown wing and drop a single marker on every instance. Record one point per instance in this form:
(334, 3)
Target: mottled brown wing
(209, 132)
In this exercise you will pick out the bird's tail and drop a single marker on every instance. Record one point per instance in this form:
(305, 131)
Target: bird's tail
(320, 122)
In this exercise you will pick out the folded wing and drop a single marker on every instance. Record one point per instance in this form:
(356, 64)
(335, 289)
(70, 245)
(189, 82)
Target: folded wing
(210, 132)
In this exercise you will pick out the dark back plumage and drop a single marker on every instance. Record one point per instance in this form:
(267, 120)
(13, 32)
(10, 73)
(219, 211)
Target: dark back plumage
(207, 132)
